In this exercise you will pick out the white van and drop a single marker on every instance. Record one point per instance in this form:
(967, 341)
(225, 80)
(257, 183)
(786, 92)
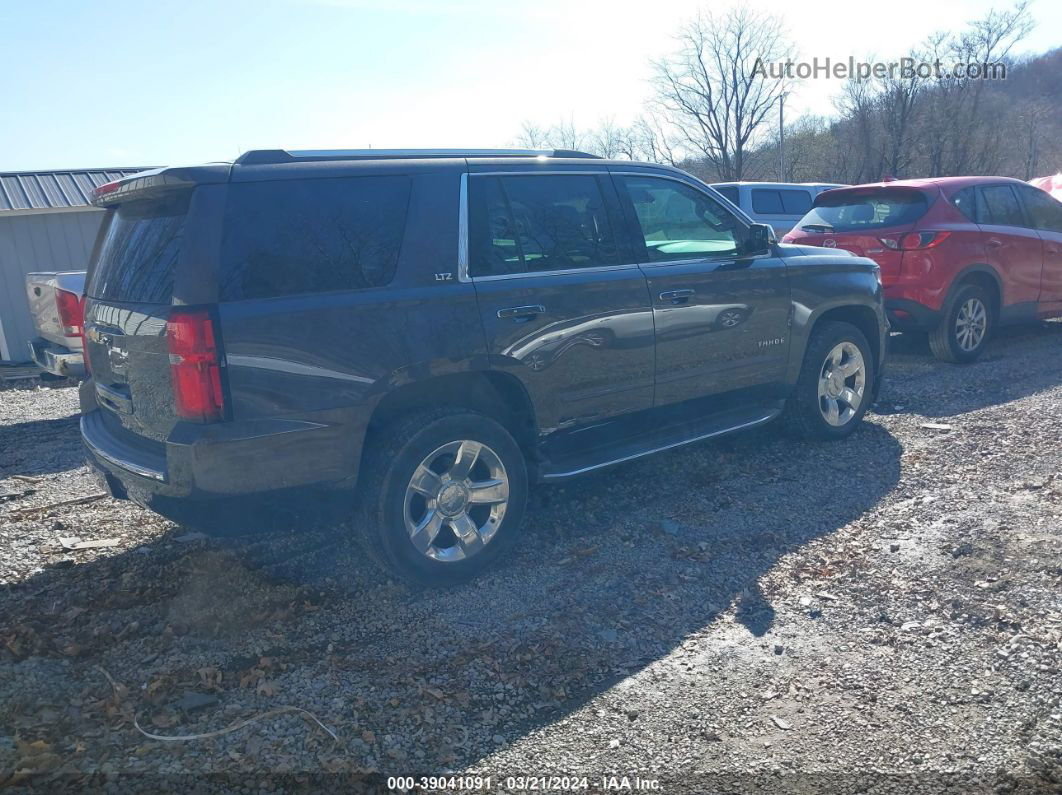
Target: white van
(780, 204)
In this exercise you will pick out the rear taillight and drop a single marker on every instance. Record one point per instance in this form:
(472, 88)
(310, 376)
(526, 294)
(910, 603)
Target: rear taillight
(913, 241)
(195, 364)
(71, 313)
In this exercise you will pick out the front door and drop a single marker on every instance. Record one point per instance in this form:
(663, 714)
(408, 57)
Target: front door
(562, 308)
(1045, 213)
(722, 321)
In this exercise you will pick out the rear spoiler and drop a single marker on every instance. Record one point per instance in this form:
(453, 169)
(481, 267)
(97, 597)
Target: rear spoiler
(145, 184)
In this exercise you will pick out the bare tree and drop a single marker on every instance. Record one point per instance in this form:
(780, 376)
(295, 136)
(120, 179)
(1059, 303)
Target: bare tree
(608, 139)
(532, 136)
(714, 93)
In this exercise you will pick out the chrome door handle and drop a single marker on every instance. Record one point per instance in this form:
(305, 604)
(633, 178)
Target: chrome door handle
(993, 242)
(522, 311)
(676, 296)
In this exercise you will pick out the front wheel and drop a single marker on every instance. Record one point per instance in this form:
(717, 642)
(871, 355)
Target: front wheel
(963, 333)
(444, 496)
(835, 385)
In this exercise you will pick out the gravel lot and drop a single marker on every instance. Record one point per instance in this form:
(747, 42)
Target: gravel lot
(756, 614)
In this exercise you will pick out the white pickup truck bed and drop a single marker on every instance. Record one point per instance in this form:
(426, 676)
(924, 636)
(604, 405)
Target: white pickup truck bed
(53, 350)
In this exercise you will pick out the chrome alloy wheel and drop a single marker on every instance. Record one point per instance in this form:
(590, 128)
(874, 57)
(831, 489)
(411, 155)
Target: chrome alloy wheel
(842, 382)
(456, 500)
(971, 324)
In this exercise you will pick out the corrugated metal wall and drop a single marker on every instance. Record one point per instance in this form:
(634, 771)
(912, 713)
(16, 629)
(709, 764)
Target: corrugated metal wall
(53, 241)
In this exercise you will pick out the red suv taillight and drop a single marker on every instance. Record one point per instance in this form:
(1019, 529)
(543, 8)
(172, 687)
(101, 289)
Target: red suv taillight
(195, 365)
(913, 241)
(71, 313)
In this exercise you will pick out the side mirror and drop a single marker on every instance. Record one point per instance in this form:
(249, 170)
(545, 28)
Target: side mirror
(758, 241)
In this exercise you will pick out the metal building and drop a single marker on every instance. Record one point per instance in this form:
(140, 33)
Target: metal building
(46, 224)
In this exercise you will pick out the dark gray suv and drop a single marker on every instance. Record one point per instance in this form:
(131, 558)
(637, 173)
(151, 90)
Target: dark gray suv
(432, 331)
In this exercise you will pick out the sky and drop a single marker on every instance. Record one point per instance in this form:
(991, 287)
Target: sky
(122, 83)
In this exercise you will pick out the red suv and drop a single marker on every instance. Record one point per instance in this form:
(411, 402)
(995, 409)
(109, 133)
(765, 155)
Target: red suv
(957, 254)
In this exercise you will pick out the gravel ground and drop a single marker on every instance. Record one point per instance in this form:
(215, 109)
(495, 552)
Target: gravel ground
(757, 614)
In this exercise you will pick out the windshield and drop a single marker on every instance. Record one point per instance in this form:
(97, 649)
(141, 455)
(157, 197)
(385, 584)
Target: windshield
(856, 211)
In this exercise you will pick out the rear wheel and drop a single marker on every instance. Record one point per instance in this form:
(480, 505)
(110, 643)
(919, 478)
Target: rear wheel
(835, 385)
(963, 333)
(444, 496)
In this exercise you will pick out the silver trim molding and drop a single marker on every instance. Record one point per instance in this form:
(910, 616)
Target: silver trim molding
(462, 232)
(752, 424)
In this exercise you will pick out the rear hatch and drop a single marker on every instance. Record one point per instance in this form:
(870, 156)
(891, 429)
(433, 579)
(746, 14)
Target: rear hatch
(869, 222)
(150, 255)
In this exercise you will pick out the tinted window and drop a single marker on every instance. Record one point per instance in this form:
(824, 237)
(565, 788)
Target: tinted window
(1044, 210)
(1000, 206)
(766, 201)
(780, 202)
(966, 202)
(795, 202)
(311, 236)
(139, 251)
(520, 224)
(856, 211)
(731, 194)
(679, 222)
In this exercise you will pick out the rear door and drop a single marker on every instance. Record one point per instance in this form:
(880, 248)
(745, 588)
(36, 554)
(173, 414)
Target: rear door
(563, 308)
(1045, 214)
(1014, 249)
(722, 322)
(130, 291)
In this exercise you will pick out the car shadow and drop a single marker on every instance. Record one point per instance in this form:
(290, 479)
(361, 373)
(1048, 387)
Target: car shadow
(40, 447)
(614, 571)
(1019, 361)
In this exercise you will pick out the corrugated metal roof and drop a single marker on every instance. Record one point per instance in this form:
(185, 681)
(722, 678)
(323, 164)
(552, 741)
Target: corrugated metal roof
(48, 190)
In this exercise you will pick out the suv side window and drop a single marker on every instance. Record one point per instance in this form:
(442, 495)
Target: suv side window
(965, 202)
(538, 222)
(679, 222)
(795, 202)
(730, 193)
(1000, 206)
(299, 236)
(1045, 211)
(768, 202)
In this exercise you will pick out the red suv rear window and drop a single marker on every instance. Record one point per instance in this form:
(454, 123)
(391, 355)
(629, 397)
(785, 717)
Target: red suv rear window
(855, 211)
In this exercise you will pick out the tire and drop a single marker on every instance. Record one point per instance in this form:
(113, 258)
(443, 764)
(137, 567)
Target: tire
(950, 341)
(458, 538)
(808, 413)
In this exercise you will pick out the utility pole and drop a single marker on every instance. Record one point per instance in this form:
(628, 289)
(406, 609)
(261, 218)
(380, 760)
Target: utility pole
(781, 138)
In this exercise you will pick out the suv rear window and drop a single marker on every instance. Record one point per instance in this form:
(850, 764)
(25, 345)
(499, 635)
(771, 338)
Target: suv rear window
(292, 237)
(855, 211)
(139, 251)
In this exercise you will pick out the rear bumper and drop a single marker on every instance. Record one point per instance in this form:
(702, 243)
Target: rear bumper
(57, 359)
(907, 315)
(210, 462)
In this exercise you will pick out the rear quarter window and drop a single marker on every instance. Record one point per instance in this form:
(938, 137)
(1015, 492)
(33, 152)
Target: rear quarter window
(293, 237)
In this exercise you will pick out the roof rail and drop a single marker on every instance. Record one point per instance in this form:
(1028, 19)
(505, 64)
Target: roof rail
(270, 156)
